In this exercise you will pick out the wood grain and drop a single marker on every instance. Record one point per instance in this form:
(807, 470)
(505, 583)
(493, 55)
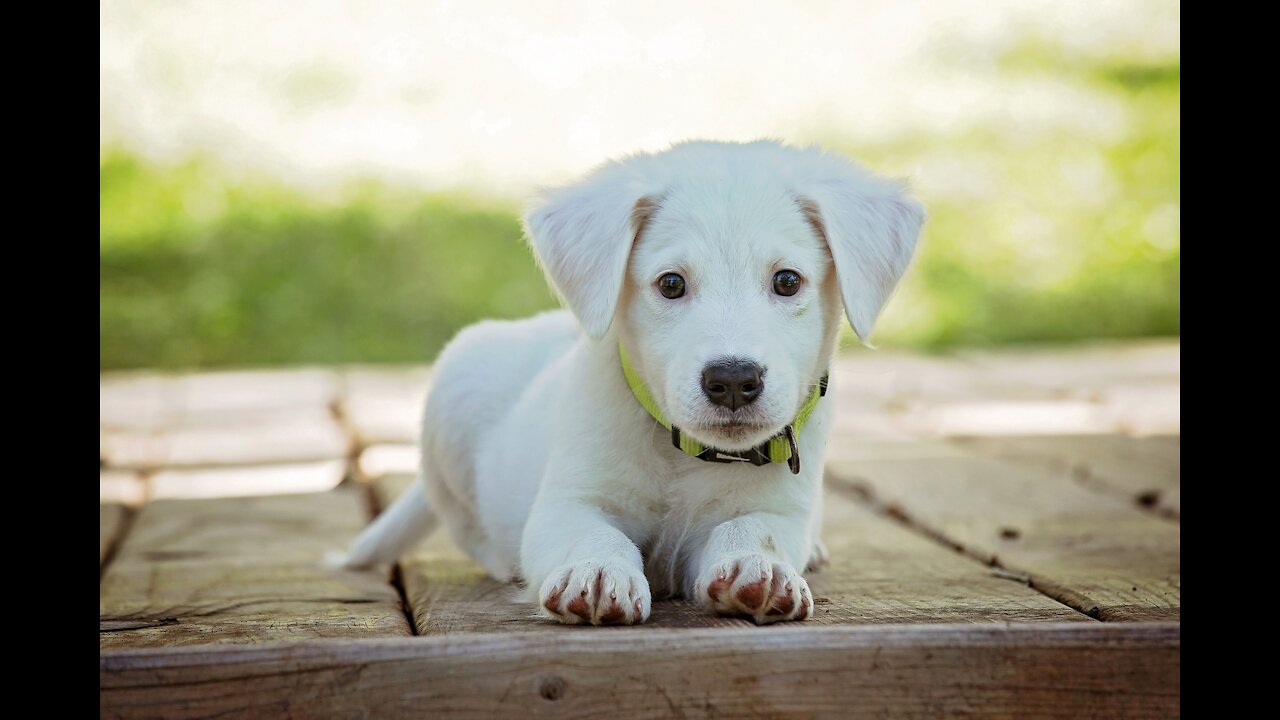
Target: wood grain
(1146, 471)
(243, 570)
(880, 573)
(224, 608)
(1096, 553)
(1043, 671)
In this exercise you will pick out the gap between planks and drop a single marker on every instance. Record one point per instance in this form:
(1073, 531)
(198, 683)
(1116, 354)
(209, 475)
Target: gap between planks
(337, 407)
(374, 505)
(243, 570)
(1104, 600)
(123, 521)
(864, 496)
(880, 573)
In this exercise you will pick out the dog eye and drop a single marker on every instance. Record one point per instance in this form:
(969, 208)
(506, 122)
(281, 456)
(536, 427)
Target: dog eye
(786, 282)
(671, 286)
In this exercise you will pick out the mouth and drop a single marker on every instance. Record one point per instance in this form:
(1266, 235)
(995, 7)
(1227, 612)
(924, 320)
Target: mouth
(733, 434)
(740, 425)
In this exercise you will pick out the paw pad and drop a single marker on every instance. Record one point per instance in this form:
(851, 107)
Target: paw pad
(758, 588)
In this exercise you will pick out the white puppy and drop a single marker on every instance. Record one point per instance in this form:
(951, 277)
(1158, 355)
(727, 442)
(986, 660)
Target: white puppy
(717, 270)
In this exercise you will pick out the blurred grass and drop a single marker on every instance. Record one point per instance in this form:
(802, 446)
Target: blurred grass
(1050, 234)
(1055, 234)
(195, 272)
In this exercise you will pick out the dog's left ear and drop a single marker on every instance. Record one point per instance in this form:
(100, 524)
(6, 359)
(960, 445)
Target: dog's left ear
(583, 234)
(871, 226)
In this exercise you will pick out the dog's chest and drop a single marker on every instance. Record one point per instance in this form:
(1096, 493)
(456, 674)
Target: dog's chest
(673, 525)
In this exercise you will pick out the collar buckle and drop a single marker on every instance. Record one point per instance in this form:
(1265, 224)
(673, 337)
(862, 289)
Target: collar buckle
(758, 455)
(753, 456)
(793, 462)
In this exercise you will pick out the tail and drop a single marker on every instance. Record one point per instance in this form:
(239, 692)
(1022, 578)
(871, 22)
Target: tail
(396, 531)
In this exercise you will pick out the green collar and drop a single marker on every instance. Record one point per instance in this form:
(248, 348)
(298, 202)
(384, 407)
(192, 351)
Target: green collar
(777, 449)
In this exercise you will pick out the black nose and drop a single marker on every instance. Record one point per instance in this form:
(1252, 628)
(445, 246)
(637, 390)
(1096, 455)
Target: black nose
(733, 383)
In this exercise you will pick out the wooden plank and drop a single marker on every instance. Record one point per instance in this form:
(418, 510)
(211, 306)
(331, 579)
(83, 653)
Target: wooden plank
(384, 405)
(1044, 671)
(1094, 552)
(1105, 388)
(134, 400)
(879, 573)
(988, 416)
(854, 446)
(147, 401)
(1146, 471)
(1129, 387)
(241, 481)
(378, 461)
(877, 393)
(300, 435)
(243, 570)
(1145, 408)
(111, 518)
(222, 418)
(890, 379)
(121, 486)
(131, 449)
(1078, 371)
(449, 593)
(215, 398)
(296, 437)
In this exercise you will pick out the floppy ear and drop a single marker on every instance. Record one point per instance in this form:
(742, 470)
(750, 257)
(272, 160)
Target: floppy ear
(583, 234)
(871, 226)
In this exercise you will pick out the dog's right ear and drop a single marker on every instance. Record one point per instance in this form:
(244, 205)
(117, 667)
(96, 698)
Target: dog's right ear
(583, 234)
(870, 225)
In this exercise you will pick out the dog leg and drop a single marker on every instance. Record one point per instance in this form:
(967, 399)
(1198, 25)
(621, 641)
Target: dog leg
(746, 568)
(584, 569)
(819, 558)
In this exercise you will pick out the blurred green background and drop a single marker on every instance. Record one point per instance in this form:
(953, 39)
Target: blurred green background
(1051, 232)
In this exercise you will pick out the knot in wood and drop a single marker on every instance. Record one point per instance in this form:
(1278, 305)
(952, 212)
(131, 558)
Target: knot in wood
(552, 688)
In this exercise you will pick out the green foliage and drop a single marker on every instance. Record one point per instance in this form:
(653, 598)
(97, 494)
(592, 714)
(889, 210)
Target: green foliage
(195, 274)
(1053, 233)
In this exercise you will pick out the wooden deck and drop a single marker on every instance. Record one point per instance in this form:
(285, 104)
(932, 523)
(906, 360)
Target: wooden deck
(1003, 529)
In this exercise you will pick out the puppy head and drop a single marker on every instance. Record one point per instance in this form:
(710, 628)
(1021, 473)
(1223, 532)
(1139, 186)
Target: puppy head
(724, 266)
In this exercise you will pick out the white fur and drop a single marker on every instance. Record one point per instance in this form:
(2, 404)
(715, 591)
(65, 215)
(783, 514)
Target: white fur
(394, 532)
(538, 458)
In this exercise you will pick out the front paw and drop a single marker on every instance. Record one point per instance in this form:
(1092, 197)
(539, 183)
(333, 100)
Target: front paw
(755, 586)
(600, 593)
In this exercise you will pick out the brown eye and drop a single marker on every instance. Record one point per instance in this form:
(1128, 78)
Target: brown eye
(671, 286)
(786, 282)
